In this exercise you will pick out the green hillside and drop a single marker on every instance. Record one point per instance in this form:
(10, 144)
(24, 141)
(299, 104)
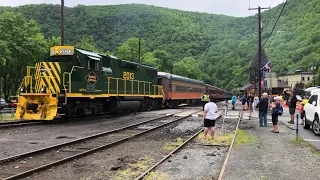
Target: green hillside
(222, 46)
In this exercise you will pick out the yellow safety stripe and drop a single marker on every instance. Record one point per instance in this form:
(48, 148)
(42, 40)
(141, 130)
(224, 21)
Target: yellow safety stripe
(51, 80)
(58, 67)
(56, 73)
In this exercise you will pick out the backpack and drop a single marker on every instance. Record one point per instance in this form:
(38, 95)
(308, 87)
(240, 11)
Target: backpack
(280, 110)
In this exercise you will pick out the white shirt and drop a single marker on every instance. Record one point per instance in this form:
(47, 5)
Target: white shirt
(211, 109)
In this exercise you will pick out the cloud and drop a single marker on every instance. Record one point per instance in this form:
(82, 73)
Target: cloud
(227, 7)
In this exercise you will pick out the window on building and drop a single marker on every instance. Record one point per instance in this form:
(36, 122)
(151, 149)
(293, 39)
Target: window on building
(308, 78)
(302, 78)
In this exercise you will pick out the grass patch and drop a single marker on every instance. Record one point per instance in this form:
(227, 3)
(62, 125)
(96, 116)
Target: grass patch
(244, 137)
(173, 145)
(157, 175)
(302, 143)
(219, 140)
(134, 169)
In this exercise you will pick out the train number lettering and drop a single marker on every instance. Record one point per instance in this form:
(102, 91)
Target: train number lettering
(128, 75)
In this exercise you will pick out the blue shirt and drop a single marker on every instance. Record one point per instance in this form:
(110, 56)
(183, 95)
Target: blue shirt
(234, 99)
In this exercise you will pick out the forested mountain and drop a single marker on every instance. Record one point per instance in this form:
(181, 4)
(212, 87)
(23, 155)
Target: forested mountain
(222, 46)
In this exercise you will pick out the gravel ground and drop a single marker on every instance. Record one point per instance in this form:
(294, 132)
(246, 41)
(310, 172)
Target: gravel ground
(24, 139)
(273, 156)
(194, 162)
(197, 160)
(107, 164)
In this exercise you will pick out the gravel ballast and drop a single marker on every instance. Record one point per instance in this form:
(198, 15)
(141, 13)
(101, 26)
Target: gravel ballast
(273, 157)
(18, 140)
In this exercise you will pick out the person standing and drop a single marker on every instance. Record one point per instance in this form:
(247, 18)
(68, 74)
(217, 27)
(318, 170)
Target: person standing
(204, 100)
(233, 101)
(291, 102)
(302, 113)
(256, 100)
(263, 109)
(243, 102)
(251, 100)
(209, 117)
(275, 113)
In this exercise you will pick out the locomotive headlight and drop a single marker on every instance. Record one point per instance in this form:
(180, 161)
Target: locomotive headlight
(43, 89)
(22, 89)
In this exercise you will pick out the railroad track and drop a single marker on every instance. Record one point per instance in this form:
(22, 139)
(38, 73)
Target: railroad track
(26, 164)
(145, 173)
(10, 124)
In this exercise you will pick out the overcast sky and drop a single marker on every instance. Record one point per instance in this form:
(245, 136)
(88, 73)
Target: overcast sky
(227, 7)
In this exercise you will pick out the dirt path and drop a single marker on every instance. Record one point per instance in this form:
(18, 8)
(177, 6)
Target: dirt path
(272, 156)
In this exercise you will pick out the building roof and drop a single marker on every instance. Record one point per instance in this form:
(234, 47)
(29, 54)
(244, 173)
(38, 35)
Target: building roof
(255, 60)
(282, 84)
(245, 87)
(292, 74)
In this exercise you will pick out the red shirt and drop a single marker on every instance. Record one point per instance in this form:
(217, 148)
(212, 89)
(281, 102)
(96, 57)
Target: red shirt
(301, 108)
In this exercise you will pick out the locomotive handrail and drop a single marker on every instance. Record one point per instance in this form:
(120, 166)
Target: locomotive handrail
(148, 92)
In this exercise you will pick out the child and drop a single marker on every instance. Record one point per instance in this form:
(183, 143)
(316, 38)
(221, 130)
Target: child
(276, 111)
(302, 113)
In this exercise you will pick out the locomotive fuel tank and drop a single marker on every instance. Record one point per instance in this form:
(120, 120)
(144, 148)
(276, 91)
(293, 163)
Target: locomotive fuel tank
(117, 106)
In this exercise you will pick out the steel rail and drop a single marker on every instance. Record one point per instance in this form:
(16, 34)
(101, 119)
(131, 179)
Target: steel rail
(11, 158)
(46, 166)
(167, 156)
(230, 147)
(170, 154)
(18, 123)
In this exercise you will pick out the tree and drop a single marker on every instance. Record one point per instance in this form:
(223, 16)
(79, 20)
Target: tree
(163, 60)
(298, 88)
(150, 60)
(129, 50)
(187, 67)
(21, 44)
(235, 91)
(88, 43)
(54, 41)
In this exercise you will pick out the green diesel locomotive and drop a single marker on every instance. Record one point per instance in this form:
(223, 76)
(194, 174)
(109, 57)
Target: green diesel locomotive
(75, 82)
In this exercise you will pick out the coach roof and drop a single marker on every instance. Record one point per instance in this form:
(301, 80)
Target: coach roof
(179, 78)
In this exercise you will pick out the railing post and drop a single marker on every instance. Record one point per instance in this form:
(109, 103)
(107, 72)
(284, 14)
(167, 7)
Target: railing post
(117, 87)
(70, 89)
(108, 85)
(125, 87)
(131, 87)
(138, 87)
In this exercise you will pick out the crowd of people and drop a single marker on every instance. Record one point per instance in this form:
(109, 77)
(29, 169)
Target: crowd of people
(268, 103)
(263, 105)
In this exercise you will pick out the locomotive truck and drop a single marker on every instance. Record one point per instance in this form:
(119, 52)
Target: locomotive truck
(77, 82)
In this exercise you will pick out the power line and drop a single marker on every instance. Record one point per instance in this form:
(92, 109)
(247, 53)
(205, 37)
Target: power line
(271, 3)
(272, 15)
(275, 23)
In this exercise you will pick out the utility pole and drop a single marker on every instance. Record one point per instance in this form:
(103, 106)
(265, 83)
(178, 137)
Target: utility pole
(260, 46)
(62, 23)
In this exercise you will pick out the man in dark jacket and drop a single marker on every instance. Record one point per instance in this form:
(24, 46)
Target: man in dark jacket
(263, 109)
(291, 102)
